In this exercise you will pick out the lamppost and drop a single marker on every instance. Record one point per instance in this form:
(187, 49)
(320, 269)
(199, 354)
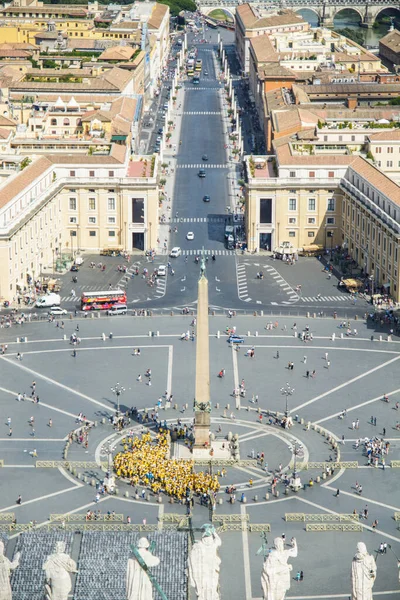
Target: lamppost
(287, 391)
(118, 390)
(371, 278)
(108, 448)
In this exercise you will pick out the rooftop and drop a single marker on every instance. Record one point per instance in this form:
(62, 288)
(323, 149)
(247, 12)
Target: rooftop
(377, 179)
(391, 40)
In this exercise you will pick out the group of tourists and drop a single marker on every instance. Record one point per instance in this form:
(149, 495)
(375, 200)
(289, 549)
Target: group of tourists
(146, 461)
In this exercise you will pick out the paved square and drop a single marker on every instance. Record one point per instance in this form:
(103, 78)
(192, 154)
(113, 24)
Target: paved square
(352, 373)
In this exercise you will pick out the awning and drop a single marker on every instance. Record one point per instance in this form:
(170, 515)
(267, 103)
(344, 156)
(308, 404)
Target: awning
(118, 138)
(386, 286)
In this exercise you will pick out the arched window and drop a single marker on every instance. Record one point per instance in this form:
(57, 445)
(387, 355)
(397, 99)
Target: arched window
(66, 122)
(54, 122)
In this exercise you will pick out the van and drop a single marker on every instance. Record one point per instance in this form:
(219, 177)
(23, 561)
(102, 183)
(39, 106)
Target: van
(48, 300)
(117, 309)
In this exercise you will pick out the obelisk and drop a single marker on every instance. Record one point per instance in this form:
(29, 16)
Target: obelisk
(202, 404)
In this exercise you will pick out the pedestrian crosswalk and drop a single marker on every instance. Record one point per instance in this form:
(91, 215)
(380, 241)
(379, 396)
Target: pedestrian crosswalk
(208, 252)
(203, 112)
(325, 298)
(199, 89)
(198, 220)
(202, 166)
(242, 283)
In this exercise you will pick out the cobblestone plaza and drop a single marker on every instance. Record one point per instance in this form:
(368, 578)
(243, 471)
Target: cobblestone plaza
(352, 374)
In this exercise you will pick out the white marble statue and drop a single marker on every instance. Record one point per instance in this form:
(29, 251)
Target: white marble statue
(275, 578)
(58, 567)
(363, 574)
(138, 584)
(204, 564)
(6, 566)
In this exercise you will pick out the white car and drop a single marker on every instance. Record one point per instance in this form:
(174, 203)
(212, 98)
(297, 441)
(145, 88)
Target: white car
(175, 252)
(162, 271)
(57, 310)
(190, 235)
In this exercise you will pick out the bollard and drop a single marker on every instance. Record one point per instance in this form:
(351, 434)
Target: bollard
(356, 318)
(301, 421)
(64, 337)
(256, 333)
(314, 315)
(212, 436)
(98, 315)
(228, 406)
(103, 420)
(256, 498)
(186, 406)
(380, 338)
(171, 314)
(286, 491)
(175, 407)
(324, 475)
(158, 334)
(248, 334)
(218, 335)
(341, 336)
(220, 500)
(318, 479)
(217, 405)
(244, 501)
(93, 482)
(333, 337)
(307, 315)
(84, 478)
(149, 333)
(277, 494)
(136, 496)
(229, 436)
(116, 491)
(261, 313)
(126, 494)
(148, 497)
(92, 315)
(267, 496)
(159, 499)
(171, 500)
(18, 340)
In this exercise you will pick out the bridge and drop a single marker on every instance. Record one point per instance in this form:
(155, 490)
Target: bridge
(326, 10)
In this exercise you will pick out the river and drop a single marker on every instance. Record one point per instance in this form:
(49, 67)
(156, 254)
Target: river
(350, 19)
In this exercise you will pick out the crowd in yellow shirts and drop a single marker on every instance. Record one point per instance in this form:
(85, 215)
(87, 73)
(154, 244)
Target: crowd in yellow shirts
(147, 462)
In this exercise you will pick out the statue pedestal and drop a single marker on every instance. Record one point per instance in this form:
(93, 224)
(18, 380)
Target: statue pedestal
(202, 422)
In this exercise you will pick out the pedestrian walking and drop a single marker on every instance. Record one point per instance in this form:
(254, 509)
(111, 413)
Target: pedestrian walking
(384, 431)
(301, 575)
(305, 360)
(337, 493)
(326, 355)
(343, 441)
(10, 432)
(375, 524)
(308, 374)
(19, 500)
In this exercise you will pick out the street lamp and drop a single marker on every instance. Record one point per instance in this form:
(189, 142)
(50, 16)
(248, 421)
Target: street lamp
(108, 448)
(118, 390)
(287, 391)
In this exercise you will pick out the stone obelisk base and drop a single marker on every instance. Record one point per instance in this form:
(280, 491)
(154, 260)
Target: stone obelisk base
(202, 424)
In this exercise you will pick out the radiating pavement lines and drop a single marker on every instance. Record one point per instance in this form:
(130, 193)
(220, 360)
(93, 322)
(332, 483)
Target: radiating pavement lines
(51, 381)
(60, 410)
(345, 384)
(380, 397)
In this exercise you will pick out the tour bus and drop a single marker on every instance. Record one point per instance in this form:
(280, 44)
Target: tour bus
(199, 63)
(190, 67)
(102, 300)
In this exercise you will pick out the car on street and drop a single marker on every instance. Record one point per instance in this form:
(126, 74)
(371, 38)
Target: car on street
(162, 271)
(159, 138)
(204, 157)
(235, 339)
(57, 310)
(202, 173)
(206, 73)
(175, 252)
(160, 131)
(74, 268)
(190, 235)
(206, 198)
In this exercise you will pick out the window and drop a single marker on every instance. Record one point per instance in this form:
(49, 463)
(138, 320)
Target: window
(353, 138)
(331, 204)
(111, 220)
(92, 233)
(91, 173)
(292, 203)
(92, 220)
(265, 210)
(111, 234)
(66, 122)
(292, 174)
(378, 150)
(311, 174)
(137, 210)
(111, 204)
(72, 233)
(72, 173)
(72, 219)
(330, 221)
(111, 173)
(92, 203)
(292, 234)
(53, 122)
(390, 150)
(311, 234)
(389, 163)
(72, 204)
(311, 220)
(311, 204)
(292, 220)
(331, 174)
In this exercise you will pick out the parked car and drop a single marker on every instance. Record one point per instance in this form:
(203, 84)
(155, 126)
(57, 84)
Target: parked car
(74, 268)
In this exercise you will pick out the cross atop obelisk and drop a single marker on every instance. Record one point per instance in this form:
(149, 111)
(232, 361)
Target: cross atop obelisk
(202, 404)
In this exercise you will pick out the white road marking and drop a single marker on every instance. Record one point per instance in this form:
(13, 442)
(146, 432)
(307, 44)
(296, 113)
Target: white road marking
(246, 557)
(357, 406)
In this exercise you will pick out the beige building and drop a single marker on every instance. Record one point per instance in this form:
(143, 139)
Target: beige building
(384, 147)
(65, 203)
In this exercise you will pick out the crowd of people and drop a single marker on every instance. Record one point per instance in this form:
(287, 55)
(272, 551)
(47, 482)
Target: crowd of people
(146, 461)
